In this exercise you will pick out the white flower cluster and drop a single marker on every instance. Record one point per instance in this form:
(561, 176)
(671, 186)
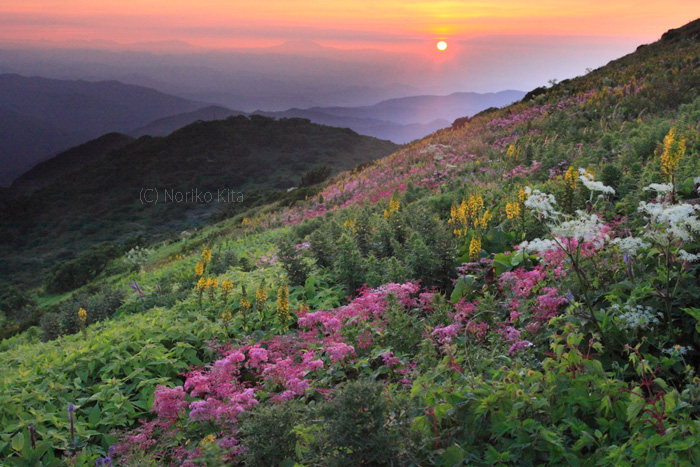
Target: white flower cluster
(696, 180)
(630, 244)
(597, 186)
(637, 317)
(677, 350)
(585, 173)
(680, 219)
(586, 227)
(538, 245)
(684, 256)
(660, 188)
(541, 203)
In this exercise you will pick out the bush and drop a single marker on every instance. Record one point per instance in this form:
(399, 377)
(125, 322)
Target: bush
(86, 266)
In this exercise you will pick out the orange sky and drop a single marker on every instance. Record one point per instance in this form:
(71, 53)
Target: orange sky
(384, 24)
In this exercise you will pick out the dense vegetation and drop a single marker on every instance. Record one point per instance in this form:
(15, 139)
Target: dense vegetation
(518, 290)
(238, 161)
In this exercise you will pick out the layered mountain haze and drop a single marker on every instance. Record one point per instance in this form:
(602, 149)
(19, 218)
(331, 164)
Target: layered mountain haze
(405, 119)
(40, 116)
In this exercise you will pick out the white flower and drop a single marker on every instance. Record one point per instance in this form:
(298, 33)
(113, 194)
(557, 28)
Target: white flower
(687, 257)
(585, 174)
(659, 187)
(696, 180)
(677, 350)
(541, 203)
(596, 186)
(630, 244)
(538, 245)
(637, 317)
(680, 219)
(586, 227)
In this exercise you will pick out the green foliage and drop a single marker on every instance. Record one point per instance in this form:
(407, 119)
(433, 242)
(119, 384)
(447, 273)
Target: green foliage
(315, 176)
(87, 265)
(110, 378)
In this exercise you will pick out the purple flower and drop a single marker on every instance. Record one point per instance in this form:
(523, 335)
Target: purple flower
(627, 257)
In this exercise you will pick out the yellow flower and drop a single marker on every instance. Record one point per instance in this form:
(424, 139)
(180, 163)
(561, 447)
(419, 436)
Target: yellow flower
(283, 305)
(226, 288)
(512, 153)
(350, 225)
(522, 195)
(674, 150)
(201, 285)
(512, 210)
(82, 316)
(260, 296)
(226, 318)
(571, 178)
(474, 248)
(206, 256)
(199, 269)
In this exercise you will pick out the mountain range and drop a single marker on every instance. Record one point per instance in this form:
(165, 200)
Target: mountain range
(40, 117)
(95, 192)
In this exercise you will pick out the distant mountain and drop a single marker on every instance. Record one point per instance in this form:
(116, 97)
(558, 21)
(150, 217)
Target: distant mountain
(68, 161)
(426, 109)
(165, 126)
(40, 116)
(103, 198)
(403, 119)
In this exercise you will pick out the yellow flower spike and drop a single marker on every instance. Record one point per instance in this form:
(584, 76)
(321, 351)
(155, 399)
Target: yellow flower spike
(206, 256)
(474, 248)
(674, 150)
(522, 195)
(199, 269)
(512, 210)
(283, 305)
(571, 178)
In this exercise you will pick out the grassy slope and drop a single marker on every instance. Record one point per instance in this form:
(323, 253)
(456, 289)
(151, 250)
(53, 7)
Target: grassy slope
(615, 116)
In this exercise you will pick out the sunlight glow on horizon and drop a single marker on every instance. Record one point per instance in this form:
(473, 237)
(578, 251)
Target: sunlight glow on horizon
(382, 24)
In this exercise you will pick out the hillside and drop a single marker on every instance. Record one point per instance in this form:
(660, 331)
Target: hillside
(241, 159)
(166, 125)
(66, 162)
(518, 289)
(39, 116)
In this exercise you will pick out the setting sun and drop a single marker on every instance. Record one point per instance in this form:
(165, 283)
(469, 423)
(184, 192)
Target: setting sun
(442, 45)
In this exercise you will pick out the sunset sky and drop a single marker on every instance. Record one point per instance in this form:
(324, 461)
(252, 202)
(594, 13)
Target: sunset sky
(382, 24)
(492, 46)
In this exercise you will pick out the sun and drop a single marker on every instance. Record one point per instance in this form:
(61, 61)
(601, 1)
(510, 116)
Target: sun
(442, 45)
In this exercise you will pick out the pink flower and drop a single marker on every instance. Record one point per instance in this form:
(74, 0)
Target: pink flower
(445, 334)
(168, 402)
(339, 350)
(298, 386)
(511, 334)
(390, 360)
(257, 356)
(310, 363)
(518, 346)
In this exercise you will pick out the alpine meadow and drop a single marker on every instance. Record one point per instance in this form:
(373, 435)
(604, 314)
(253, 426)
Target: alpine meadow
(520, 288)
